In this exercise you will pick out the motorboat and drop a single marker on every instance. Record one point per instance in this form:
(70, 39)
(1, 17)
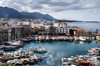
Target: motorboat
(17, 62)
(31, 61)
(98, 38)
(25, 60)
(40, 50)
(82, 38)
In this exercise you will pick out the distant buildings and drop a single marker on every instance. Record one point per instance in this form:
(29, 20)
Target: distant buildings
(82, 33)
(29, 27)
(63, 29)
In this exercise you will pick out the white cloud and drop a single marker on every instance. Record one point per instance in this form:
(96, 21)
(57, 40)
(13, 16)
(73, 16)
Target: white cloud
(50, 5)
(58, 8)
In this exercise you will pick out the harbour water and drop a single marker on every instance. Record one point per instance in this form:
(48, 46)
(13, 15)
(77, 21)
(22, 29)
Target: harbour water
(61, 49)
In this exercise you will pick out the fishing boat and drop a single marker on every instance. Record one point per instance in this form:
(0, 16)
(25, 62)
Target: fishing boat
(40, 50)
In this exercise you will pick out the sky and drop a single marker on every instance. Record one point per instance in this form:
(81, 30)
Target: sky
(84, 10)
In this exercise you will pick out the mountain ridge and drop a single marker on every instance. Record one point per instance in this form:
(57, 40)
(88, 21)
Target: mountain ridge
(6, 12)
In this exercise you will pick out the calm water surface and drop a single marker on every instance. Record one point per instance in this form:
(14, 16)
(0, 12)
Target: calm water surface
(60, 49)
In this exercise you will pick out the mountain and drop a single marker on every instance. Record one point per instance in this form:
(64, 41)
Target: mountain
(37, 15)
(6, 12)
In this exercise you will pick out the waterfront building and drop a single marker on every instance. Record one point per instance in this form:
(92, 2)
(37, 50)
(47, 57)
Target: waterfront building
(47, 29)
(36, 24)
(3, 35)
(56, 24)
(82, 33)
(62, 24)
(63, 29)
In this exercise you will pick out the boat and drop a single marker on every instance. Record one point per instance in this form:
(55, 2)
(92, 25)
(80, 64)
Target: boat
(40, 50)
(15, 43)
(41, 58)
(29, 38)
(1, 52)
(34, 57)
(10, 61)
(82, 38)
(8, 48)
(17, 62)
(24, 40)
(25, 60)
(31, 60)
(98, 38)
(64, 59)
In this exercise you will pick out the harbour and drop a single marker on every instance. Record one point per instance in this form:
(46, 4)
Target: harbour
(49, 33)
(58, 50)
(63, 41)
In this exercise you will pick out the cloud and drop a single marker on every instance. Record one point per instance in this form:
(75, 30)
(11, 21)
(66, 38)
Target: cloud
(50, 5)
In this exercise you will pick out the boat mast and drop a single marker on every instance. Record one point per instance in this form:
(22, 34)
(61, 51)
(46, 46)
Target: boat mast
(18, 30)
(9, 34)
(15, 33)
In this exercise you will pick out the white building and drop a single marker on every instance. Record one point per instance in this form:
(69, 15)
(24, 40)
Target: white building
(47, 29)
(63, 29)
(36, 24)
(56, 24)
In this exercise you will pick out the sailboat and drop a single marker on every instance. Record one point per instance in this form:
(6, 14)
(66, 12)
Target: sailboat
(14, 42)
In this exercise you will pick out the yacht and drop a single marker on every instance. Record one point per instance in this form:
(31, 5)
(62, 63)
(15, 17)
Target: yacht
(40, 50)
(98, 38)
(82, 38)
(15, 43)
